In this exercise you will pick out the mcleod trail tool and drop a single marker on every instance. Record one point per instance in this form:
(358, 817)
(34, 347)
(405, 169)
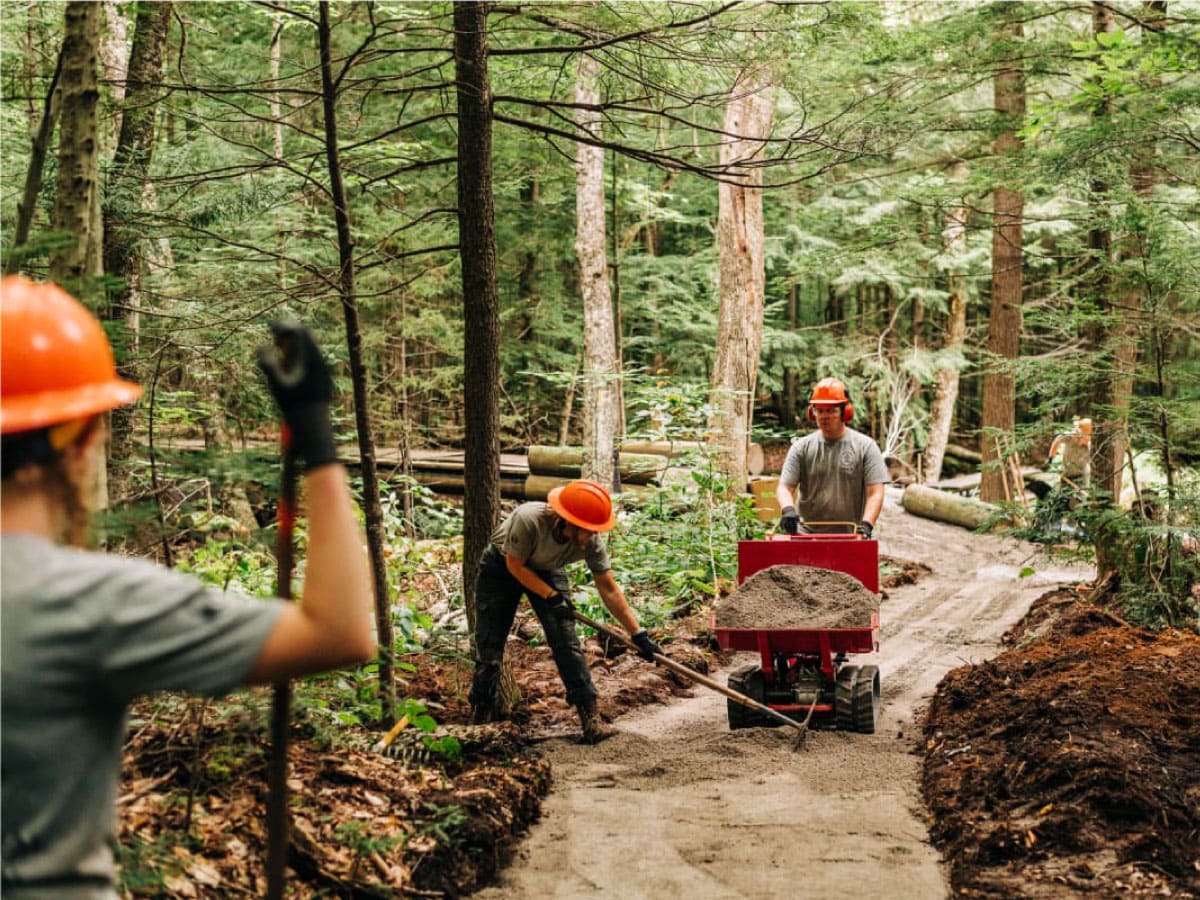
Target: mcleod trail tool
(277, 798)
(694, 676)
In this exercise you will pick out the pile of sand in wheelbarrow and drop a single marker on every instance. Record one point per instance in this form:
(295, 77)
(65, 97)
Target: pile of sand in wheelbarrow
(798, 597)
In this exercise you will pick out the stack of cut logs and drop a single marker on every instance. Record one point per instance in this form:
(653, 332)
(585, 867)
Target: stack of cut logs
(641, 465)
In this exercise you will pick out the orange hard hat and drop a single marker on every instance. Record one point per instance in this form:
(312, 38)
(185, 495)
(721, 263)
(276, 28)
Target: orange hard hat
(1084, 426)
(584, 503)
(829, 392)
(55, 361)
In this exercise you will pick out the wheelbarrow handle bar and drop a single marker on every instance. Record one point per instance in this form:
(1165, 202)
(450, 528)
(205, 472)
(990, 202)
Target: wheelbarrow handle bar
(692, 674)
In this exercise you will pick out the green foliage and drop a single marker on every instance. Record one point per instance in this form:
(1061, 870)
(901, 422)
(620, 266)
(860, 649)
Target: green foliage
(362, 843)
(144, 865)
(442, 822)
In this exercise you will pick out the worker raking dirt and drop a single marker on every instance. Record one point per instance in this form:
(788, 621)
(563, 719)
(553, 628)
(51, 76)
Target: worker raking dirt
(798, 597)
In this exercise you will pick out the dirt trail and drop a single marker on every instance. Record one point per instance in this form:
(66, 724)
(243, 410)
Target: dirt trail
(677, 805)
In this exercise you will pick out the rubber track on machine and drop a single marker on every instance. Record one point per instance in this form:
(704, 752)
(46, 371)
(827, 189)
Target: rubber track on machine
(843, 697)
(866, 700)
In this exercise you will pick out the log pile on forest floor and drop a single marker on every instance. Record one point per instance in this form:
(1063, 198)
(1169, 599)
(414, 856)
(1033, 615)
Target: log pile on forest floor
(1069, 766)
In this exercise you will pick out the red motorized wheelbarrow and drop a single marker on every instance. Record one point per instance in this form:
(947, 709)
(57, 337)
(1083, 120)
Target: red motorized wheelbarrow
(803, 672)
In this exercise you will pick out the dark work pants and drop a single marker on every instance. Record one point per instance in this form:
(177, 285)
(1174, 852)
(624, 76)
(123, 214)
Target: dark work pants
(497, 595)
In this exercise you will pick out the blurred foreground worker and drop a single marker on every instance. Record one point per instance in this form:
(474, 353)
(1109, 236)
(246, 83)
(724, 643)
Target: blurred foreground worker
(526, 556)
(85, 633)
(834, 474)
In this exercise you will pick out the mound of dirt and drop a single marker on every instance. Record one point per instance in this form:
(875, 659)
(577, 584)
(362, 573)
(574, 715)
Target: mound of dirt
(1070, 765)
(798, 597)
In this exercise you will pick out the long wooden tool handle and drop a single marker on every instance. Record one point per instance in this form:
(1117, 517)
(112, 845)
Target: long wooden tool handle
(281, 712)
(692, 674)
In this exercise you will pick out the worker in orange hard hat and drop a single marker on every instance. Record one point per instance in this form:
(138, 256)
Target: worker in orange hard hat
(834, 474)
(1073, 450)
(526, 556)
(85, 633)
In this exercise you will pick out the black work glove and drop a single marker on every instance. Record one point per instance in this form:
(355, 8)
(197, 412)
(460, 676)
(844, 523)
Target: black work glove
(299, 380)
(560, 604)
(646, 647)
(866, 529)
(790, 520)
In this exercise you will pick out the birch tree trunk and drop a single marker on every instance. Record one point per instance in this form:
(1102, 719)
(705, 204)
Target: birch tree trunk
(941, 413)
(114, 64)
(748, 115)
(277, 146)
(481, 305)
(600, 365)
(73, 263)
(1004, 321)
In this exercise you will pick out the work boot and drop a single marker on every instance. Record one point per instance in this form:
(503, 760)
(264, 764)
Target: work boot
(594, 728)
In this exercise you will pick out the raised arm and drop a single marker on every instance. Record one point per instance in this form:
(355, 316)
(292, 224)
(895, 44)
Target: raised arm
(331, 625)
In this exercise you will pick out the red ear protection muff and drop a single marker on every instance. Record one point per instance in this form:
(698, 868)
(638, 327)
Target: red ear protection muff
(847, 411)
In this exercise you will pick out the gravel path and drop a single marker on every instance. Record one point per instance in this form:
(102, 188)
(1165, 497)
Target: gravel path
(678, 806)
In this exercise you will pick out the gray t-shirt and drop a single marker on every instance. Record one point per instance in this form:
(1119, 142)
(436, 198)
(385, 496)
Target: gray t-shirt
(832, 476)
(82, 634)
(528, 534)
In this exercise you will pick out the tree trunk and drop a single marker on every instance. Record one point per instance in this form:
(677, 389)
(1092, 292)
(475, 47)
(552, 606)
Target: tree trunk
(1004, 322)
(78, 149)
(127, 181)
(941, 413)
(600, 368)
(481, 328)
(114, 64)
(1112, 338)
(33, 177)
(372, 507)
(277, 147)
(748, 116)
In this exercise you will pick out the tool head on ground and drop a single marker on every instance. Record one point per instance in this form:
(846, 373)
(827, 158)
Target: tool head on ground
(56, 364)
(692, 675)
(584, 504)
(830, 392)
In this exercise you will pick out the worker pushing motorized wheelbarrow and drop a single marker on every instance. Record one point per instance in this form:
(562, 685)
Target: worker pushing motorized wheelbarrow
(831, 494)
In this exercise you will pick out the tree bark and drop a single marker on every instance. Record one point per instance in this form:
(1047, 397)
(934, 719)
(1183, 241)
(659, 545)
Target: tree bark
(600, 365)
(127, 182)
(481, 329)
(72, 264)
(1004, 321)
(748, 115)
(941, 413)
(372, 507)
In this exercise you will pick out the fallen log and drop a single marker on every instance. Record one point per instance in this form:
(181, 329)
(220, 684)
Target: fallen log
(930, 503)
(454, 483)
(567, 462)
(958, 451)
(755, 459)
(538, 487)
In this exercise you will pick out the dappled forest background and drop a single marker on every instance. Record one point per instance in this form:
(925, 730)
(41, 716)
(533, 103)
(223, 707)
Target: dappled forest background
(982, 216)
